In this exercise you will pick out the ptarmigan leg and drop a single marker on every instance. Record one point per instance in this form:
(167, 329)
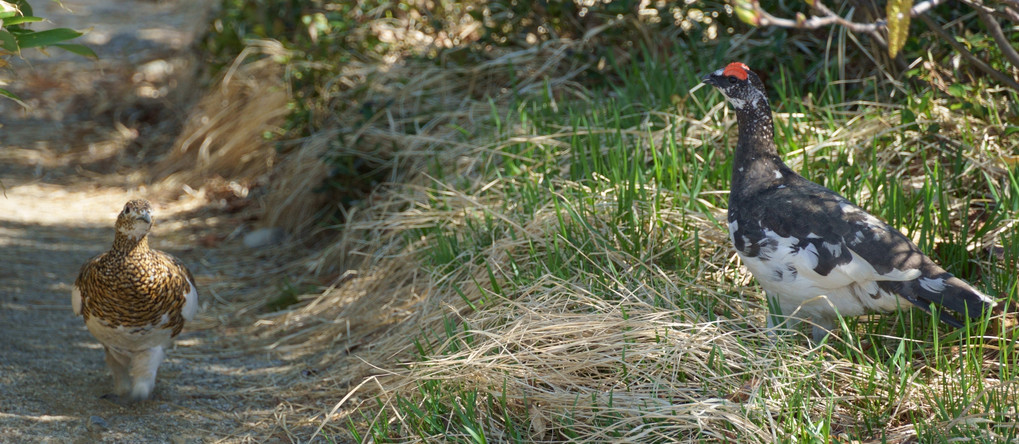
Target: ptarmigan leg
(777, 316)
(143, 372)
(118, 366)
(822, 326)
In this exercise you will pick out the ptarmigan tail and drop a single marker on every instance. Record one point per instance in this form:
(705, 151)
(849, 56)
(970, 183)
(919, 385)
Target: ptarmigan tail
(941, 288)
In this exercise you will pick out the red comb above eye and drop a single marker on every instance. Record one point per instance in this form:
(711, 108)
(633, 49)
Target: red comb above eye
(737, 70)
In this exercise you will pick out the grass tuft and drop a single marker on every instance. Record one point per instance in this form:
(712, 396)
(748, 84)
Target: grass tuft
(550, 264)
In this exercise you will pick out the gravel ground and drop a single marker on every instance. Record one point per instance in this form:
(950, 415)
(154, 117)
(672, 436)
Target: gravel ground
(66, 167)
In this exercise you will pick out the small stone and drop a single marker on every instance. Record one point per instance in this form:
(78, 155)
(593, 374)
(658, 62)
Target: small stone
(264, 237)
(96, 424)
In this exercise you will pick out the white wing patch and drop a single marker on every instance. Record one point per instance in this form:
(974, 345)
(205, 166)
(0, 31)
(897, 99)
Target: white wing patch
(76, 300)
(808, 255)
(984, 297)
(932, 285)
(190, 302)
(857, 238)
(848, 208)
(834, 249)
(859, 269)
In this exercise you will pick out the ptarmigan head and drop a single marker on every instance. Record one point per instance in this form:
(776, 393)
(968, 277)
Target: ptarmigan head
(135, 220)
(740, 86)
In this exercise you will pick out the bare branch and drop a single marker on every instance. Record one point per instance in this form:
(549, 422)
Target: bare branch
(995, 30)
(1006, 12)
(1004, 79)
(1009, 9)
(828, 18)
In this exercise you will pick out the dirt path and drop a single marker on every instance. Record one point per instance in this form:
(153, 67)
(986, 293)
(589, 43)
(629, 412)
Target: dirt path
(68, 166)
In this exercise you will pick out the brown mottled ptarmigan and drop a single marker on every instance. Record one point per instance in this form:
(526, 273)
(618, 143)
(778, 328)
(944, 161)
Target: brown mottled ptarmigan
(815, 253)
(134, 301)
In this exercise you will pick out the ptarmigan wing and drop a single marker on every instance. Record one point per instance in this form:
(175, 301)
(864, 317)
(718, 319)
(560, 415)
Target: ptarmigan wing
(816, 229)
(180, 285)
(77, 297)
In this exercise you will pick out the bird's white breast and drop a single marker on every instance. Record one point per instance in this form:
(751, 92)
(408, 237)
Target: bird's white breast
(129, 338)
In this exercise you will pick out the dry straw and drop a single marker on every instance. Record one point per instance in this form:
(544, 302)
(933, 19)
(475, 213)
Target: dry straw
(224, 135)
(638, 363)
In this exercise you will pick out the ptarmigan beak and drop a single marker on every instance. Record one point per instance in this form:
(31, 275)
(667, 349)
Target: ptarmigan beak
(710, 79)
(145, 217)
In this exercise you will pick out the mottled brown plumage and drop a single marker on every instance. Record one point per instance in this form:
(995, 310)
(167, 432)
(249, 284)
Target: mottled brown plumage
(134, 300)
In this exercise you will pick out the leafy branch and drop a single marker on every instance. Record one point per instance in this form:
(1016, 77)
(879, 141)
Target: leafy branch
(15, 36)
(896, 25)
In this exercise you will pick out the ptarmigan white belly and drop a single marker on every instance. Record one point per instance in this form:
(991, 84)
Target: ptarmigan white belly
(850, 289)
(129, 338)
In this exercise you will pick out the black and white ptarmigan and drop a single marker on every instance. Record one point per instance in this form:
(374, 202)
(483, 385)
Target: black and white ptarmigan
(134, 301)
(811, 249)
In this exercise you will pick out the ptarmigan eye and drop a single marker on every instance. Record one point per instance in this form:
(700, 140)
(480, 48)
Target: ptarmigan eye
(732, 79)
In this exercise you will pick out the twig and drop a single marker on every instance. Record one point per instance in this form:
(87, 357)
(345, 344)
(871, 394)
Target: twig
(828, 17)
(997, 75)
(995, 30)
(1006, 12)
(1009, 10)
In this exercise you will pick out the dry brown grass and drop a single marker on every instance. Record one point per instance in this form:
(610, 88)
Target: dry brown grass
(609, 369)
(558, 354)
(224, 134)
(418, 112)
(555, 352)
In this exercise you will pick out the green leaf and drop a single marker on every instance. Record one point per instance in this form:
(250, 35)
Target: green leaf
(8, 42)
(898, 24)
(1010, 130)
(46, 38)
(6, 93)
(908, 116)
(26, 9)
(20, 20)
(75, 48)
(12, 96)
